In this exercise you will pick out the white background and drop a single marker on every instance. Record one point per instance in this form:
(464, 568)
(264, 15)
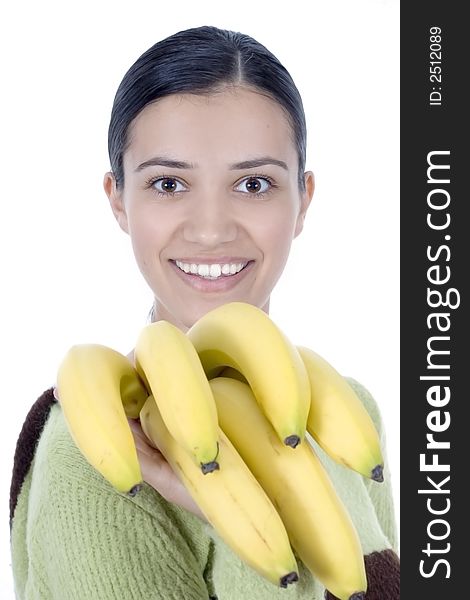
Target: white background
(67, 270)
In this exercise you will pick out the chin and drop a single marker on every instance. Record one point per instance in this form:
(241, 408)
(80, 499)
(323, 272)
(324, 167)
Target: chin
(196, 311)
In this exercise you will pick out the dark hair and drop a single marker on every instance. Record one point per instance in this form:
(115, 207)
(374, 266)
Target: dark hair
(200, 61)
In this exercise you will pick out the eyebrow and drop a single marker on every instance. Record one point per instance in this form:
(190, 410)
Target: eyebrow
(164, 161)
(258, 162)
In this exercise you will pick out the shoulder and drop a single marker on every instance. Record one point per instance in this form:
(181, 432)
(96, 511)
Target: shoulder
(368, 401)
(92, 534)
(381, 495)
(27, 443)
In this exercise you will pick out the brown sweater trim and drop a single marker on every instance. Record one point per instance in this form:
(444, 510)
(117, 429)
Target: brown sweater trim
(383, 576)
(26, 444)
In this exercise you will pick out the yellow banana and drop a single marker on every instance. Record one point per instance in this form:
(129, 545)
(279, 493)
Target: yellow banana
(318, 525)
(232, 501)
(168, 362)
(231, 372)
(242, 336)
(338, 420)
(95, 385)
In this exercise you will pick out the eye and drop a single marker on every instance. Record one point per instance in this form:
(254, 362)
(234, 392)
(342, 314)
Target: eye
(165, 185)
(255, 185)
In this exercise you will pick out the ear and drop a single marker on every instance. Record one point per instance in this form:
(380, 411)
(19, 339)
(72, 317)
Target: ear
(116, 200)
(305, 199)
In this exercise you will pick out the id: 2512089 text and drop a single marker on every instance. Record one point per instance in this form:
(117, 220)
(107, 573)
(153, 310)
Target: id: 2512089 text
(435, 66)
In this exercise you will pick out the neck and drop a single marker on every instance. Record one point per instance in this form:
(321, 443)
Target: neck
(159, 312)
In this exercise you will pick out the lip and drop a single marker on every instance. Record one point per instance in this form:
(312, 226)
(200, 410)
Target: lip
(222, 284)
(207, 260)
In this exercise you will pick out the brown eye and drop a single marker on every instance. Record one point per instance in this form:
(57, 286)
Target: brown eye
(165, 185)
(168, 185)
(254, 185)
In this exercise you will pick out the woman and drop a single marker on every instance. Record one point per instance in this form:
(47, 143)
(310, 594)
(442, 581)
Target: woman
(207, 143)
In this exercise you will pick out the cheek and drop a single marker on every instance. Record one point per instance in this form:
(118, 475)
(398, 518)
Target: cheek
(275, 235)
(148, 237)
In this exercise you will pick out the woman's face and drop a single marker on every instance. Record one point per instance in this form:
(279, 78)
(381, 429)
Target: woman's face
(211, 200)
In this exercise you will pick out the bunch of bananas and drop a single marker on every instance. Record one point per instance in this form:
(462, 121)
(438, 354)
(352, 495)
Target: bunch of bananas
(228, 404)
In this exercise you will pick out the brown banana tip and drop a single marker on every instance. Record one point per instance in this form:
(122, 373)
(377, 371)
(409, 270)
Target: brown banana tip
(377, 474)
(292, 441)
(133, 491)
(209, 467)
(355, 596)
(291, 577)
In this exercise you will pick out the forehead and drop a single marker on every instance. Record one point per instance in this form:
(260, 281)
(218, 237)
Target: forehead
(225, 126)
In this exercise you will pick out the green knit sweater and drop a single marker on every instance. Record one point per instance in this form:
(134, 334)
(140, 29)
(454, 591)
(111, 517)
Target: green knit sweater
(73, 537)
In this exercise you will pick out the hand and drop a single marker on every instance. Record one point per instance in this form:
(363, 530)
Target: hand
(158, 473)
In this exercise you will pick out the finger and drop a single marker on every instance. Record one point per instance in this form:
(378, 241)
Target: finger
(137, 430)
(142, 443)
(157, 472)
(135, 426)
(155, 468)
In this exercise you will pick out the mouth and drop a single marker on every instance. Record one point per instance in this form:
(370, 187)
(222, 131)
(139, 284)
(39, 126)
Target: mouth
(212, 276)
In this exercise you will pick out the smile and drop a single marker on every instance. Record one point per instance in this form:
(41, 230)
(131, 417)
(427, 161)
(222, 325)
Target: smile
(211, 271)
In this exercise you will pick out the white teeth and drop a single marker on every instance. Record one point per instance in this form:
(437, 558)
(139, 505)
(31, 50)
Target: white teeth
(215, 270)
(212, 271)
(203, 270)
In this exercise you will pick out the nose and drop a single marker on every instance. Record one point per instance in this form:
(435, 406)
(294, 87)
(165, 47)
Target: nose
(210, 221)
